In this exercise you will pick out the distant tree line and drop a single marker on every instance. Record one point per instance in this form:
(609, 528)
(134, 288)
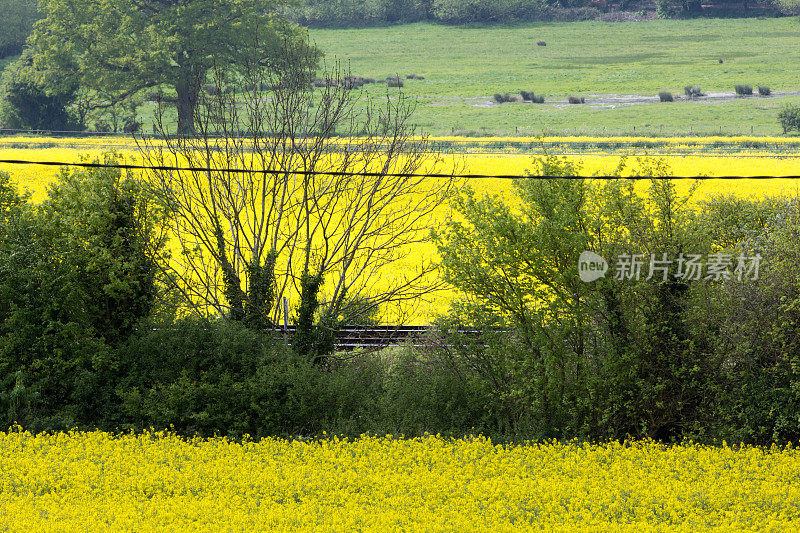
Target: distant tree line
(335, 13)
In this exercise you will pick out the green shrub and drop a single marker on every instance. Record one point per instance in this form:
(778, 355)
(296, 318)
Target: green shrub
(28, 103)
(744, 90)
(207, 377)
(101, 126)
(394, 81)
(665, 96)
(693, 91)
(76, 277)
(764, 90)
(530, 96)
(576, 100)
(431, 390)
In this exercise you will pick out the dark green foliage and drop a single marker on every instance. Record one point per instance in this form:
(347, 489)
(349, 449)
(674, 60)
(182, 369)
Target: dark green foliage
(469, 11)
(394, 81)
(16, 24)
(77, 274)
(504, 98)
(665, 96)
(789, 117)
(763, 90)
(744, 90)
(204, 378)
(28, 103)
(693, 91)
(438, 394)
(312, 340)
(530, 96)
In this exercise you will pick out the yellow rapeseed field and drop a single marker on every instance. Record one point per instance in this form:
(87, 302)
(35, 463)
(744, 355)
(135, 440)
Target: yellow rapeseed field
(744, 162)
(95, 481)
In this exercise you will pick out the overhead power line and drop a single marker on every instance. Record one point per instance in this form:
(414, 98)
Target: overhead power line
(125, 166)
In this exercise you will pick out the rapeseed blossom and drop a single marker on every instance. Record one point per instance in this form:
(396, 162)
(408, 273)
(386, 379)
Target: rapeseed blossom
(156, 480)
(746, 162)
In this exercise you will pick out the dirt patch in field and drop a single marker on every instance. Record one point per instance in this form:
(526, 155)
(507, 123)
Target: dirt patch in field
(613, 101)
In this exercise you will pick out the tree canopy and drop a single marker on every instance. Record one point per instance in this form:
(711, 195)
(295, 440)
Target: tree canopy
(15, 24)
(119, 47)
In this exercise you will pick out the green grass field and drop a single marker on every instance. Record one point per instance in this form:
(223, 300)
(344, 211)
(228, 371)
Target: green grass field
(465, 66)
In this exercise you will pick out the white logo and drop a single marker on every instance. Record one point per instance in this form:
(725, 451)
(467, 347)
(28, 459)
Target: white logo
(591, 266)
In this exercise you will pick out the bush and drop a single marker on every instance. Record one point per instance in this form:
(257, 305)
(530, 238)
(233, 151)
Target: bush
(764, 90)
(665, 96)
(744, 90)
(531, 97)
(394, 81)
(132, 126)
(576, 100)
(77, 275)
(415, 77)
(789, 117)
(433, 390)
(693, 91)
(505, 97)
(208, 377)
(27, 103)
(352, 82)
(101, 126)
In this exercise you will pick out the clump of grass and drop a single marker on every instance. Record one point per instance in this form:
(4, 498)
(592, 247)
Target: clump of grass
(369, 80)
(541, 43)
(763, 90)
(537, 99)
(693, 91)
(743, 90)
(394, 81)
(665, 96)
(415, 77)
(577, 100)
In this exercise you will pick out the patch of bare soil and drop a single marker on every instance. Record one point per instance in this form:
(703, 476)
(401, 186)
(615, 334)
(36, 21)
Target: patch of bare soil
(612, 101)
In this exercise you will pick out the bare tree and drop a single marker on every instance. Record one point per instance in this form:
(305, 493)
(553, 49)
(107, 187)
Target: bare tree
(298, 191)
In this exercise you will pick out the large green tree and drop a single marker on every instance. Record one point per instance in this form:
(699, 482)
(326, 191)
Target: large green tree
(119, 47)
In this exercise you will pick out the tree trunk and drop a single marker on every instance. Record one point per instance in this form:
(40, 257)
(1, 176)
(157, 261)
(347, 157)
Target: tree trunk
(188, 89)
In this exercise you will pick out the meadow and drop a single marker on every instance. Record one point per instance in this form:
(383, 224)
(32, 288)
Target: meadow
(155, 480)
(620, 73)
(464, 66)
